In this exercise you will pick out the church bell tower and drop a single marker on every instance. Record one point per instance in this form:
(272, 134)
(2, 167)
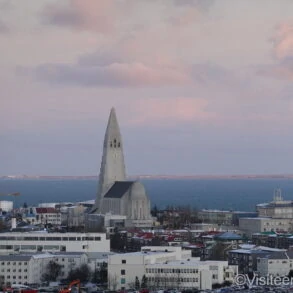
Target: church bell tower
(112, 166)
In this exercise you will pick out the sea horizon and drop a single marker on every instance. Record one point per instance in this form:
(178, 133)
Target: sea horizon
(242, 194)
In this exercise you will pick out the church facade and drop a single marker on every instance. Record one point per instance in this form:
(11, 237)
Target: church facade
(115, 194)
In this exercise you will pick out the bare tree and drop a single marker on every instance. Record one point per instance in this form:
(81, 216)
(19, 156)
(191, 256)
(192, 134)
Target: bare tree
(53, 270)
(113, 282)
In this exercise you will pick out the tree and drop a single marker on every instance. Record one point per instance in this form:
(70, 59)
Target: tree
(154, 211)
(100, 274)
(136, 283)
(82, 273)
(144, 282)
(53, 270)
(3, 226)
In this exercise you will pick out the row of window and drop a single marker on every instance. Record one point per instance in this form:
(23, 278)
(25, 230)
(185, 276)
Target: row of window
(8, 270)
(185, 271)
(14, 277)
(21, 238)
(172, 280)
(13, 263)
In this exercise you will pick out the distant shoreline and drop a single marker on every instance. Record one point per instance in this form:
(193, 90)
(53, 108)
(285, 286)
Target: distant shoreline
(248, 176)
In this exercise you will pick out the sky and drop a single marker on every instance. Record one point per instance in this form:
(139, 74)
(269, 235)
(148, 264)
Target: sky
(199, 86)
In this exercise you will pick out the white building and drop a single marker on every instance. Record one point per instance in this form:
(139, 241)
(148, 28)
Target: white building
(29, 268)
(111, 220)
(75, 216)
(166, 267)
(190, 273)
(13, 242)
(6, 205)
(21, 269)
(96, 260)
(277, 264)
(264, 224)
(278, 208)
(48, 204)
(44, 216)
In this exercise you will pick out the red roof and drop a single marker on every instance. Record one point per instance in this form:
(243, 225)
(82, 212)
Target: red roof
(46, 210)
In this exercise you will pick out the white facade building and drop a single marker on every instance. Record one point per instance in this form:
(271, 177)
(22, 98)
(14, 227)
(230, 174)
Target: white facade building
(6, 205)
(190, 273)
(256, 225)
(29, 269)
(277, 265)
(111, 220)
(21, 269)
(166, 267)
(278, 208)
(13, 242)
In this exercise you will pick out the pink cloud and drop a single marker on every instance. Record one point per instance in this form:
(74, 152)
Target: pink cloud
(284, 41)
(283, 52)
(168, 111)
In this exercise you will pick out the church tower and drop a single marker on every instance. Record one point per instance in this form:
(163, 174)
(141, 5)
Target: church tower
(112, 166)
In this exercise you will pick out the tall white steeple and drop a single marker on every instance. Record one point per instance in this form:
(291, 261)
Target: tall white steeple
(112, 166)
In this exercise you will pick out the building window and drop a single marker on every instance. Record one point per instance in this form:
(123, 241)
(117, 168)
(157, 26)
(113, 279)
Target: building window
(122, 272)
(123, 260)
(122, 281)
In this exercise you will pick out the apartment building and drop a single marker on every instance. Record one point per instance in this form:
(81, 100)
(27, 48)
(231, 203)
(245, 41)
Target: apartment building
(29, 268)
(23, 269)
(246, 257)
(277, 264)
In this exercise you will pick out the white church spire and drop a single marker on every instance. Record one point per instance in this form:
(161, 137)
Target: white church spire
(112, 166)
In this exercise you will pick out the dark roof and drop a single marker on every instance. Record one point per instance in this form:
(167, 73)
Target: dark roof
(281, 255)
(118, 189)
(228, 236)
(15, 257)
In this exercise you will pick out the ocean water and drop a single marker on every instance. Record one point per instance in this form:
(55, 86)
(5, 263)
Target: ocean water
(227, 194)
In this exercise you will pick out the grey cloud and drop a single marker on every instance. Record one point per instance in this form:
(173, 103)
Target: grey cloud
(102, 58)
(3, 27)
(114, 75)
(61, 16)
(202, 4)
(282, 70)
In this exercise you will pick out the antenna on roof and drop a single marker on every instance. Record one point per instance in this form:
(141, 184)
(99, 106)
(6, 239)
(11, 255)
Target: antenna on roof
(278, 194)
